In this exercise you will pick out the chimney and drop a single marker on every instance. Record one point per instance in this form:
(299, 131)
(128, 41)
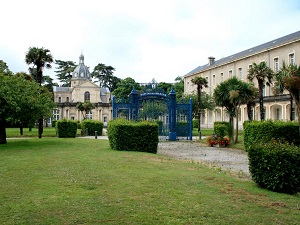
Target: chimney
(211, 60)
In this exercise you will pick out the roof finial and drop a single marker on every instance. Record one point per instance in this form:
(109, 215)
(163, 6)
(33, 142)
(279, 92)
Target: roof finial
(81, 58)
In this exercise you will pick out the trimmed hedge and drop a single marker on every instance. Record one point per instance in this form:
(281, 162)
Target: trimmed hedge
(275, 166)
(257, 131)
(66, 128)
(133, 136)
(220, 130)
(92, 126)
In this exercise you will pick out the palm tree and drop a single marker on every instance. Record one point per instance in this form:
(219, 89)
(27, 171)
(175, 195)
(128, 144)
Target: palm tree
(240, 93)
(200, 82)
(288, 77)
(85, 108)
(262, 73)
(39, 58)
(231, 94)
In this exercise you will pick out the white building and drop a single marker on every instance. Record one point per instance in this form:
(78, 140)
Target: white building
(274, 52)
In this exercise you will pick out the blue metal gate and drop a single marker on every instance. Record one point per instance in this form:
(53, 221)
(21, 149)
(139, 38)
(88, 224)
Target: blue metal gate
(175, 120)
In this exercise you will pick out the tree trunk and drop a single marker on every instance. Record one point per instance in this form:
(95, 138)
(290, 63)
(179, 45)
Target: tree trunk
(291, 109)
(40, 127)
(249, 111)
(21, 129)
(236, 125)
(2, 130)
(231, 127)
(261, 101)
(199, 111)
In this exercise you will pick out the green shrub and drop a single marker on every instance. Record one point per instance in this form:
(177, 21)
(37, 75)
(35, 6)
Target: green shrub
(220, 130)
(223, 127)
(257, 131)
(53, 123)
(66, 128)
(92, 126)
(195, 123)
(275, 166)
(133, 136)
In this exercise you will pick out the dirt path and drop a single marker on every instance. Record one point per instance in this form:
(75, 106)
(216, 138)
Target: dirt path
(225, 158)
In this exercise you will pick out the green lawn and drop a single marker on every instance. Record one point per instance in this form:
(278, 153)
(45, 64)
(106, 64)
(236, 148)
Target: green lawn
(47, 132)
(83, 181)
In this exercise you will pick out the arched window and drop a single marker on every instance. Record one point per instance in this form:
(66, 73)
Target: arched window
(87, 96)
(67, 99)
(59, 99)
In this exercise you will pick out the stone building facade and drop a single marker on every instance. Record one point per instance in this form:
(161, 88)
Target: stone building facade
(82, 88)
(274, 53)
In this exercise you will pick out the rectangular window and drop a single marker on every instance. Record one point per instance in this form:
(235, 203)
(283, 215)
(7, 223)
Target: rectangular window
(292, 58)
(277, 114)
(214, 80)
(264, 90)
(89, 115)
(240, 74)
(276, 65)
(230, 73)
(56, 113)
(222, 77)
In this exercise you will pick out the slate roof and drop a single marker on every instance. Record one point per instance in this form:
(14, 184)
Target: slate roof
(251, 51)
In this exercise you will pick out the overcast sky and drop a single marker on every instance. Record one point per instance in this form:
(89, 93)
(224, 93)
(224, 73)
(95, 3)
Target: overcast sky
(159, 39)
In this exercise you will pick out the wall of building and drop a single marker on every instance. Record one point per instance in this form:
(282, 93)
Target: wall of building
(278, 110)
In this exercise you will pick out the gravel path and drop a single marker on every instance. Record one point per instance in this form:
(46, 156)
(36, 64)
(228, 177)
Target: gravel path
(225, 158)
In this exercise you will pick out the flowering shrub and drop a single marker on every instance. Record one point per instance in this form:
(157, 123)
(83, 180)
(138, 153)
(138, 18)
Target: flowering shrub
(214, 140)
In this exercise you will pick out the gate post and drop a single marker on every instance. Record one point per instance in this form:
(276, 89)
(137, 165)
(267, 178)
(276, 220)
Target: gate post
(114, 115)
(134, 104)
(172, 116)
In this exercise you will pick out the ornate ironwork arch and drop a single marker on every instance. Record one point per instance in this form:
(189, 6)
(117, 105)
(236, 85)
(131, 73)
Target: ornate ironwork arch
(178, 114)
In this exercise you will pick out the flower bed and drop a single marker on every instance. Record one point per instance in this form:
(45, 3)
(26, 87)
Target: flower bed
(217, 141)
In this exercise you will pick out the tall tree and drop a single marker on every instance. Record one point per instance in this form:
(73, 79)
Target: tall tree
(39, 59)
(288, 78)
(64, 71)
(200, 82)
(105, 77)
(263, 74)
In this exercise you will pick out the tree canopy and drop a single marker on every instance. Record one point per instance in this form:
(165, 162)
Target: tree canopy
(124, 88)
(64, 71)
(38, 59)
(22, 101)
(105, 77)
(288, 78)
